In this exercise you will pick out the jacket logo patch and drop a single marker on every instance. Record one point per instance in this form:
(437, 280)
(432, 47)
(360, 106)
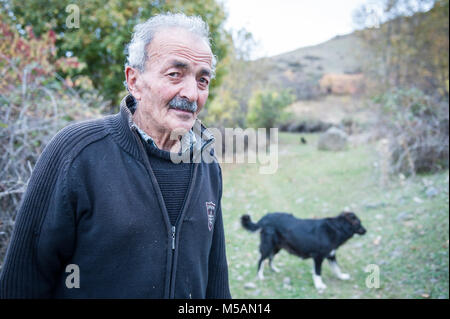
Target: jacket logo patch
(211, 213)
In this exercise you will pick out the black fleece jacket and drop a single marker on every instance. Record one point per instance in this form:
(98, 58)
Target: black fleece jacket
(93, 201)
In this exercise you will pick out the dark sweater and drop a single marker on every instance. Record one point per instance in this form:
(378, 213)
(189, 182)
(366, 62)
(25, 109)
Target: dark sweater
(173, 179)
(93, 200)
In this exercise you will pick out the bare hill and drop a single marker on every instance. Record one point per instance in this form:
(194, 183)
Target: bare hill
(342, 54)
(302, 69)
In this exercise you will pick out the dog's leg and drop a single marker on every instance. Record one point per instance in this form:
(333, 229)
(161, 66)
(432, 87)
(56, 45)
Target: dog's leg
(261, 268)
(272, 266)
(266, 249)
(317, 278)
(335, 267)
(272, 256)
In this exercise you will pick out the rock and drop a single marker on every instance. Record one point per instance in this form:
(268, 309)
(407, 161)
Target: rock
(257, 292)
(431, 192)
(287, 281)
(396, 253)
(427, 182)
(358, 245)
(375, 205)
(403, 216)
(377, 241)
(249, 285)
(333, 139)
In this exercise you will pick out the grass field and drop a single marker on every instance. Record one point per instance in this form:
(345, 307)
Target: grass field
(407, 229)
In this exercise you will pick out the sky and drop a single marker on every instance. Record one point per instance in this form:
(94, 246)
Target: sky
(280, 26)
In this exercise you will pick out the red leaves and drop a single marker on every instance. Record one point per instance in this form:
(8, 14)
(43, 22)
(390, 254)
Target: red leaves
(52, 36)
(27, 57)
(30, 32)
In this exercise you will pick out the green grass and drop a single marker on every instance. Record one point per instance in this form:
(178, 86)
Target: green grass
(407, 237)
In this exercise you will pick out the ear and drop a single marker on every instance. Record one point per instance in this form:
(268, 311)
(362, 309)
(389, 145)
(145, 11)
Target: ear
(343, 218)
(132, 77)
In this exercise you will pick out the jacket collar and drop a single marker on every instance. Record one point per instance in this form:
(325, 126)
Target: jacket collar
(122, 127)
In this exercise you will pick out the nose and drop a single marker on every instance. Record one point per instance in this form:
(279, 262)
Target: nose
(189, 89)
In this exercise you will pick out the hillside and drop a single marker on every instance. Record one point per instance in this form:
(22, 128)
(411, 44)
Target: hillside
(342, 54)
(302, 69)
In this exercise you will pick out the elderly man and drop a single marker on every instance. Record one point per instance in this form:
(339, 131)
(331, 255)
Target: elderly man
(108, 213)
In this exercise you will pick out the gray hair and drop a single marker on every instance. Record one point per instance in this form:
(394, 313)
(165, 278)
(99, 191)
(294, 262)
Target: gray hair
(145, 32)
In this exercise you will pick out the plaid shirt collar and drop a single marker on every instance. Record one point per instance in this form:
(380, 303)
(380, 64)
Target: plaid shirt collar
(188, 140)
(196, 138)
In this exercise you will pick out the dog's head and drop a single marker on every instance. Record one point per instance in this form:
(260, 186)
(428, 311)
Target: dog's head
(353, 220)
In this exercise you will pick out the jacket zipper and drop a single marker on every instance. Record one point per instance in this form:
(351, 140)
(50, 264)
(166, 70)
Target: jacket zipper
(141, 146)
(172, 261)
(173, 230)
(179, 222)
(173, 237)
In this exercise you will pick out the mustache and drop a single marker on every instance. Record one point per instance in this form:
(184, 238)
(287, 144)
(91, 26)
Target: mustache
(182, 104)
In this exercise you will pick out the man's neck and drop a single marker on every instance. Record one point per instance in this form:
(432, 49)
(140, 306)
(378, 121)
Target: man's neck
(161, 137)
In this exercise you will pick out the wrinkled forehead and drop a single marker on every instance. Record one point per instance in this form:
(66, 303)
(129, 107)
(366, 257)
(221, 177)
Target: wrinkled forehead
(176, 42)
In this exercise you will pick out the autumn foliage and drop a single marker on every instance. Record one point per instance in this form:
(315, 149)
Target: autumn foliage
(35, 102)
(333, 83)
(28, 59)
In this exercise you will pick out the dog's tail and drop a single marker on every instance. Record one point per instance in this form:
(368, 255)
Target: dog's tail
(247, 223)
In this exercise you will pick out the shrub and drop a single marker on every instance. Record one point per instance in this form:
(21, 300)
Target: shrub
(417, 128)
(35, 102)
(267, 108)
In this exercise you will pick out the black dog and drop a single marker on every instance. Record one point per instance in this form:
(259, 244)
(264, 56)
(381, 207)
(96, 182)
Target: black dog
(306, 238)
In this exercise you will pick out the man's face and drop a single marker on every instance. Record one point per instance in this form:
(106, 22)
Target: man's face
(178, 67)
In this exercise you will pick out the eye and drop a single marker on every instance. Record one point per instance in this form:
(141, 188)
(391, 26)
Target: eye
(174, 74)
(204, 81)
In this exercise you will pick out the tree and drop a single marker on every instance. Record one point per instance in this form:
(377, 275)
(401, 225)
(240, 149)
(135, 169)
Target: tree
(267, 108)
(104, 30)
(35, 103)
(230, 105)
(409, 43)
